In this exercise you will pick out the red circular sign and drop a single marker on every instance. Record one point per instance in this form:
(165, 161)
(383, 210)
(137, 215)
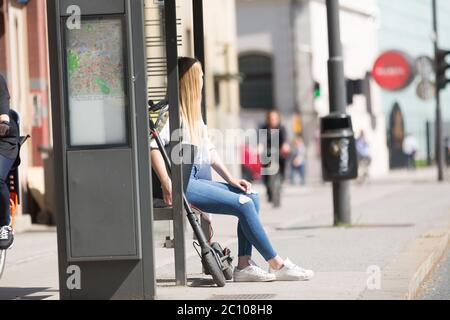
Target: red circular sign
(393, 70)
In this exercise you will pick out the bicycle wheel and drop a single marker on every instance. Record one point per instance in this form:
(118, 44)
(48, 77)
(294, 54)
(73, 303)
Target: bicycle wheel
(211, 265)
(2, 262)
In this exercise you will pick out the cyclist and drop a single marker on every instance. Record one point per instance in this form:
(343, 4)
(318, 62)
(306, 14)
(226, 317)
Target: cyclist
(232, 198)
(9, 149)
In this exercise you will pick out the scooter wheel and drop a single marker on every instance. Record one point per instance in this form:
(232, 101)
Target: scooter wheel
(212, 266)
(227, 266)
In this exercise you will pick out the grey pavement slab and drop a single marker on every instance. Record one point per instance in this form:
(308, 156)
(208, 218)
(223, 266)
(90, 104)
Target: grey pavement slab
(31, 270)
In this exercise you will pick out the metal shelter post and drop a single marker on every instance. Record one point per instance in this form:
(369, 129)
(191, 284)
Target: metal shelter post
(199, 51)
(199, 43)
(336, 81)
(170, 12)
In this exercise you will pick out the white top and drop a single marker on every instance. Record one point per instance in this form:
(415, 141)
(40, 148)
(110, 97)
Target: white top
(204, 151)
(410, 145)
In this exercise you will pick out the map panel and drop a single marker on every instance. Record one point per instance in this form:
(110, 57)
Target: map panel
(96, 80)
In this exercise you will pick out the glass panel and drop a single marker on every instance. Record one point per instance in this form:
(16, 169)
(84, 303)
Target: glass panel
(96, 83)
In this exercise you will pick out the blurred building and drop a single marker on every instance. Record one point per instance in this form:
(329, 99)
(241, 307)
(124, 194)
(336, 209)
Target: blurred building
(406, 25)
(23, 62)
(283, 53)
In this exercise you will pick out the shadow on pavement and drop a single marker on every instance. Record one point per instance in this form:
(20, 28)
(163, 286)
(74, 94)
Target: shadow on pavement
(356, 226)
(201, 283)
(192, 282)
(25, 293)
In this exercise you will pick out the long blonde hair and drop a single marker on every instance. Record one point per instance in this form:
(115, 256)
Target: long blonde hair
(190, 96)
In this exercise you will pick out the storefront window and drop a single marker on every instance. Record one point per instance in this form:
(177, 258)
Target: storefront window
(257, 86)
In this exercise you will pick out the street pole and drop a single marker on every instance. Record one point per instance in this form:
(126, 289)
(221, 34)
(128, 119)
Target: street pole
(337, 92)
(439, 134)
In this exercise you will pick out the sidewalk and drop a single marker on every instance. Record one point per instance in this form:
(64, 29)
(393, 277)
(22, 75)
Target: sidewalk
(389, 215)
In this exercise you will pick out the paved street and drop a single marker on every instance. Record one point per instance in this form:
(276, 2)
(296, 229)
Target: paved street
(389, 214)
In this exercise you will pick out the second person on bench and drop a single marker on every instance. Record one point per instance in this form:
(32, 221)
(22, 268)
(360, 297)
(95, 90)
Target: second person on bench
(235, 197)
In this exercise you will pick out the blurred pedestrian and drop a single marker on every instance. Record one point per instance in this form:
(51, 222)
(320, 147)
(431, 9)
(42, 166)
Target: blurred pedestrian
(410, 148)
(364, 155)
(447, 150)
(298, 161)
(251, 164)
(273, 125)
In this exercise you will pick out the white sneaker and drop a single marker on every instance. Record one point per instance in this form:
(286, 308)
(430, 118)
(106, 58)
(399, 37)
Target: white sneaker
(252, 273)
(292, 272)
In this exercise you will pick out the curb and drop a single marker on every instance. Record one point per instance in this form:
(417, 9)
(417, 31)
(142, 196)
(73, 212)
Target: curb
(403, 278)
(429, 264)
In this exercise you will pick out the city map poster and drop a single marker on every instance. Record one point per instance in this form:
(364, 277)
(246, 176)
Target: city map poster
(96, 83)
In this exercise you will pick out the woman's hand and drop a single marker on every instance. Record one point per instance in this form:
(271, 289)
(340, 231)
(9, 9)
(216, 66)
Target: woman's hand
(4, 117)
(167, 191)
(243, 185)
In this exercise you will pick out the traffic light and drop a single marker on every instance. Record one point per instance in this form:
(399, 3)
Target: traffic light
(317, 92)
(353, 87)
(442, 66)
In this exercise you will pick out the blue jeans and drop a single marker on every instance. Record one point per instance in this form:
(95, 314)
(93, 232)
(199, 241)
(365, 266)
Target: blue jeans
(220, 198)
(5, 215)
(298, 170)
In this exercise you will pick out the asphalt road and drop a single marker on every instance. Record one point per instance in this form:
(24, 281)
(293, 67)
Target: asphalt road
(438, 287)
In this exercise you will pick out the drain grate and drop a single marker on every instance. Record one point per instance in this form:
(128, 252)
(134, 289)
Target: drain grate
(263, 296)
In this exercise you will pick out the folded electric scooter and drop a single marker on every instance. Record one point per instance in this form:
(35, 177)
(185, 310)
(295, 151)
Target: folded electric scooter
(216, 261)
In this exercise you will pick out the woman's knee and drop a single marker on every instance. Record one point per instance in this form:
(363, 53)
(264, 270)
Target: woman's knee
(247, 207)
(255, 199)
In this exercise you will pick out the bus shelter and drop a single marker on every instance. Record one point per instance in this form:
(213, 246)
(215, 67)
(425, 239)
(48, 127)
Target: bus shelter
(108, 58)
